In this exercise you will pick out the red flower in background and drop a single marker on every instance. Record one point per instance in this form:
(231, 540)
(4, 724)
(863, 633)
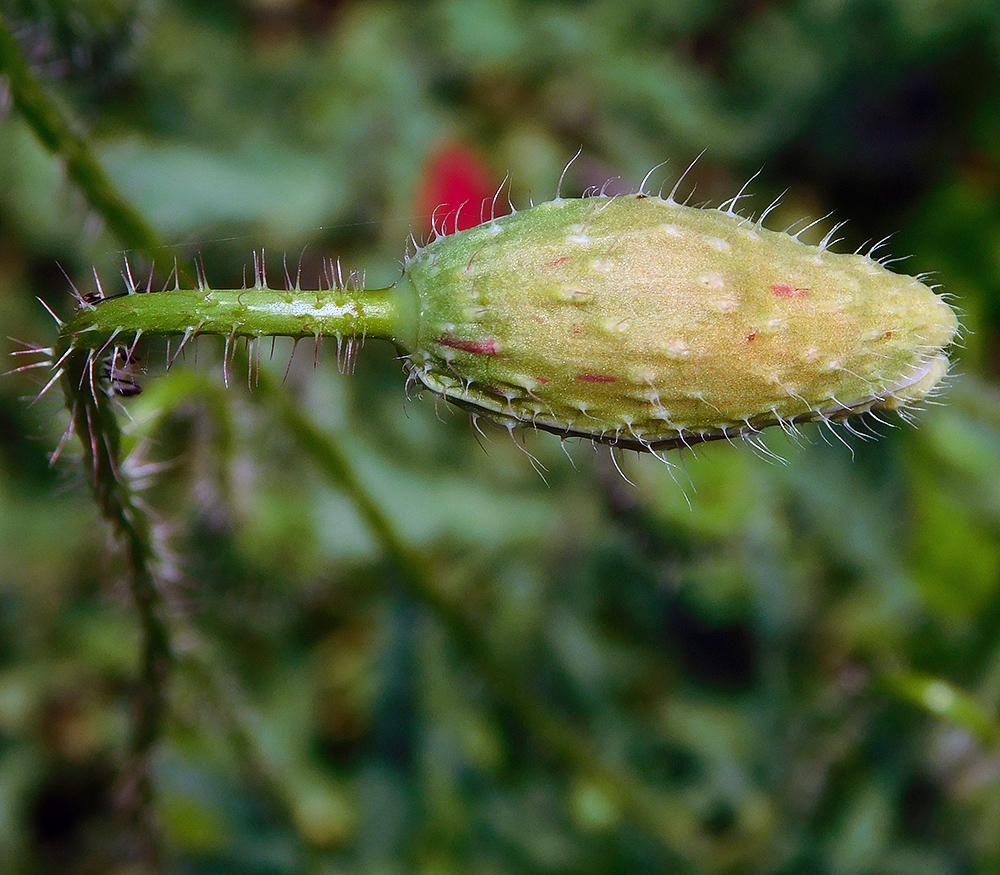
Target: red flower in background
(456, 181)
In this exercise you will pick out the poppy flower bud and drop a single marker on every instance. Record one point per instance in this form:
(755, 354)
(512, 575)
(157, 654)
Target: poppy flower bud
(638, 321)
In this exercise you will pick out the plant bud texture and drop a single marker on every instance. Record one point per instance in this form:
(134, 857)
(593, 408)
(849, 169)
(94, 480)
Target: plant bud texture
(638, 321)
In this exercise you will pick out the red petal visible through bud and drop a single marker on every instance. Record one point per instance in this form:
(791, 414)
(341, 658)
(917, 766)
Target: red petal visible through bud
(457, 181)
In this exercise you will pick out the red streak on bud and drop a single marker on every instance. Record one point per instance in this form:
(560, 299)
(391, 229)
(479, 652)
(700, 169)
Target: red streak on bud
(541, 380)
(782, 291)
(557, 262)
(481, 347)
(468, 267)
(596, 378)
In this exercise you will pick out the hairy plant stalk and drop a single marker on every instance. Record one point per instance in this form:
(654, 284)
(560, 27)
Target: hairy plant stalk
(254, 312)
(95, 422)
(661, 817)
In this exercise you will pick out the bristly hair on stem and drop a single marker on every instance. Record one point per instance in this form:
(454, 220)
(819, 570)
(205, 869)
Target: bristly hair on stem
(341, 308)
(95, 421)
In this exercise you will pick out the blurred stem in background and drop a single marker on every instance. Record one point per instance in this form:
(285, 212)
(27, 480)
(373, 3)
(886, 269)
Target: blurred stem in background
(95, 421)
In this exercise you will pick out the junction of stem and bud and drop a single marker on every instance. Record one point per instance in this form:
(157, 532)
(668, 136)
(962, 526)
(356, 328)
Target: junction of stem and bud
(632, 320)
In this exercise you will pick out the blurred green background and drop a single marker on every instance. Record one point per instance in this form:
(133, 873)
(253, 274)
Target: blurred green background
(797, 673)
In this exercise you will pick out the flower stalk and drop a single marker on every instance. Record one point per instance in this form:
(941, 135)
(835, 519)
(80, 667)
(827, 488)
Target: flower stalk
(254, 312)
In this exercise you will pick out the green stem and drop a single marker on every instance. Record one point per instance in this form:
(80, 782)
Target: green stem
(55, 131)
(662, 817)
(95, 422)
(253, 312)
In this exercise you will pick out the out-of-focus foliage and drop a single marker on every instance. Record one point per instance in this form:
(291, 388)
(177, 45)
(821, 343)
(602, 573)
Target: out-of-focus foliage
(803, 657)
